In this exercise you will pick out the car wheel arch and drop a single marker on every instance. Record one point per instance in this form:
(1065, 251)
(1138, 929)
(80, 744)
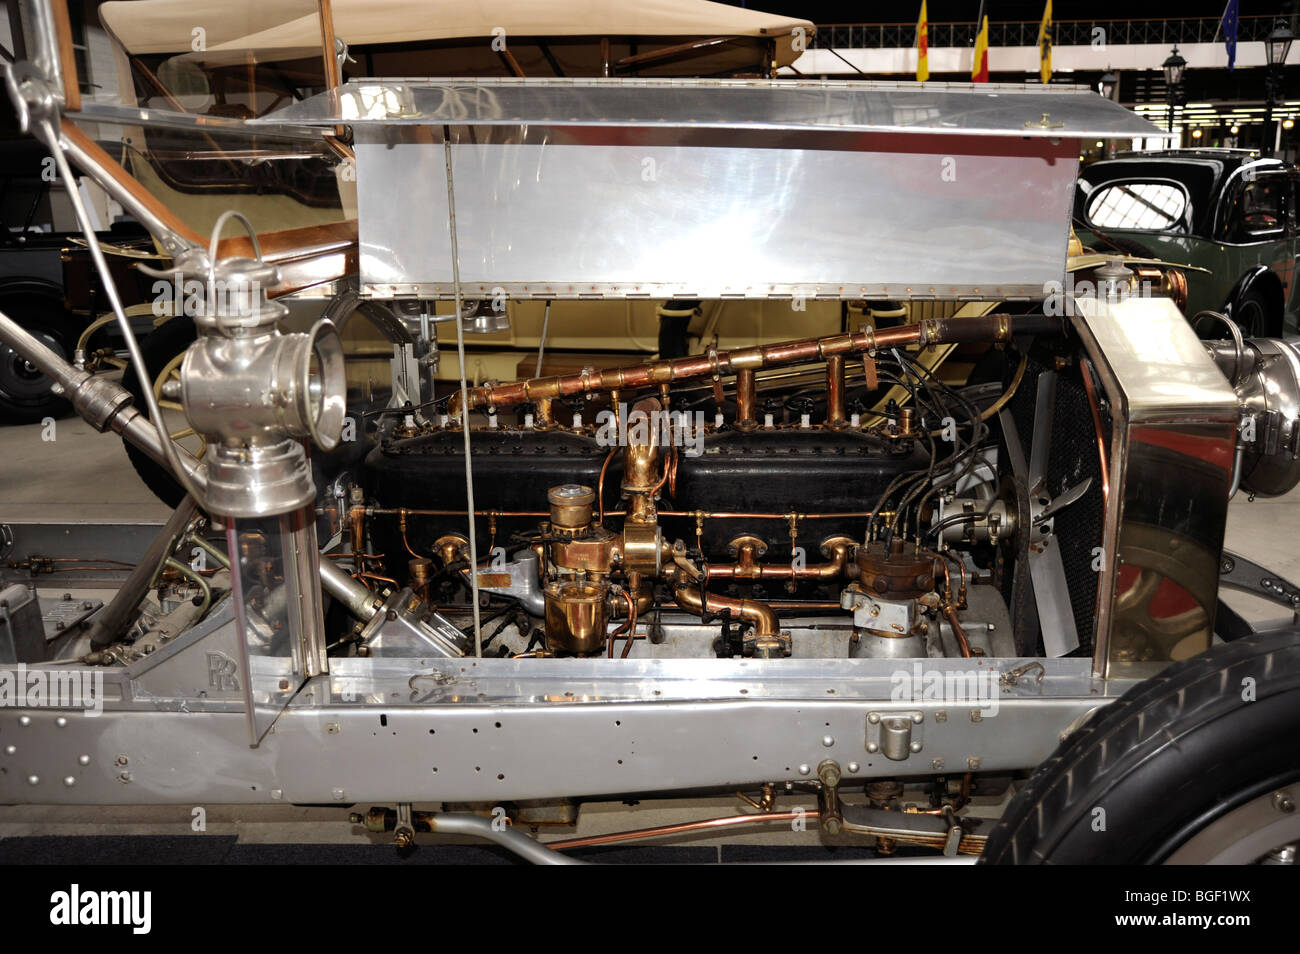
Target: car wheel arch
(1262, 281)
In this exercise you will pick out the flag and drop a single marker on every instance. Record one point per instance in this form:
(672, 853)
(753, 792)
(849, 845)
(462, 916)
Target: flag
(979, 71)
(1229, 23)
(1045, 45)
(923, 46)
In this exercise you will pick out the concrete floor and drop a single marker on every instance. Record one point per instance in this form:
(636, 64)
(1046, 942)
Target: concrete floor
(82, 475)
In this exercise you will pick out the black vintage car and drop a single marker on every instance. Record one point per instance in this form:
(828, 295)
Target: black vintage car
(1228, 212)
(47, 281)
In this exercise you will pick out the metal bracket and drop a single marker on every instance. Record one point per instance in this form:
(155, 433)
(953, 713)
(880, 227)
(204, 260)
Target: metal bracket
(896, 734)
(404, 830)
(1237, 572)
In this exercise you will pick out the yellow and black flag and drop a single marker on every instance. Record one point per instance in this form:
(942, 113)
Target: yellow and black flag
(979, 70)
(1045, 45)
(923, 46)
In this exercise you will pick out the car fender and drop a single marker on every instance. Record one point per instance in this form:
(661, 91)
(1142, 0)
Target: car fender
(1264, 279)
(27, 285)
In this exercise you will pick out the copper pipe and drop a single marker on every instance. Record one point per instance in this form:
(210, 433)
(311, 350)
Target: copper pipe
(357, 522)
(745, 399)
(727, 822)
(835, 390)
(746, 569)
(993, 327)
(950, 614)
(415, 512)
(600, 486)
(670, 455)
(401, 522)
(752, 515)
(794, 606)
(631, 624)
(708, 515)
(672, 474)
(545, 418)
(759, 614)
(1095, 407)
(947, 578)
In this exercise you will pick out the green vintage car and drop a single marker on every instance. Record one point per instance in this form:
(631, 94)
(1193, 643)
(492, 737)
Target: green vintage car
(1228, 213)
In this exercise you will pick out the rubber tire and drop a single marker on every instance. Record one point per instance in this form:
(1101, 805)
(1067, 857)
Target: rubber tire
(1255, 307)
(158, 348)
(1164, 760)
(43, 315)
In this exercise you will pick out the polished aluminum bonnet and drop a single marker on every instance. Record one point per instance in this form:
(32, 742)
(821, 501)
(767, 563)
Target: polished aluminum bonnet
(715, 189)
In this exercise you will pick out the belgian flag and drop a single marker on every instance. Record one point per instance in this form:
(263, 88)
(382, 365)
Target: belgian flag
(979, 71)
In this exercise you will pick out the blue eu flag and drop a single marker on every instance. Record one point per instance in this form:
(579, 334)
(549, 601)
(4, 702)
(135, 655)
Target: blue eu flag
(1230, 31)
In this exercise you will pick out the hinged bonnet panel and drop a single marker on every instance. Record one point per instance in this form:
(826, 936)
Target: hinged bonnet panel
(710, 189)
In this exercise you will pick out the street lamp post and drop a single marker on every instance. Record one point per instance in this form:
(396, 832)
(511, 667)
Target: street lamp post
(1276, 48)
(1107, 85)
(1174, 65)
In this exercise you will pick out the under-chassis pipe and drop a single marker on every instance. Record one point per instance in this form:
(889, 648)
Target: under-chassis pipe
(710, 824)
(107, 406)
(994, 327)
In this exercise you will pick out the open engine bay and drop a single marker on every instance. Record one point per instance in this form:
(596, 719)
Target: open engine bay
(890, 568)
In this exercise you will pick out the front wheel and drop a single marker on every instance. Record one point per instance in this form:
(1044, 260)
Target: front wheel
(26, 394)
(161, 350)
(1254, 316)
(1199, 763)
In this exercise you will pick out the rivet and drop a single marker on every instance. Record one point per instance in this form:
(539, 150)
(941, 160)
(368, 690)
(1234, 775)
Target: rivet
(61, 721)
(338, 794)
(853, 768)
(33, 780)
(24, 720)
(10, 749)
(69, 781)
(804, 769)
(84, 759)
(827, 741)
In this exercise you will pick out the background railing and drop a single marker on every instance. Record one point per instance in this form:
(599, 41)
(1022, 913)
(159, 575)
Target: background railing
(1025, 32)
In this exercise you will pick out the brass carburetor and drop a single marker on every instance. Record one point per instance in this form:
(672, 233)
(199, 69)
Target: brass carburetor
(581, 554)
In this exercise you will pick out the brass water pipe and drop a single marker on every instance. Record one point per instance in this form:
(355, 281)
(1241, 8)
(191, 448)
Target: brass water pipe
(990, 328)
